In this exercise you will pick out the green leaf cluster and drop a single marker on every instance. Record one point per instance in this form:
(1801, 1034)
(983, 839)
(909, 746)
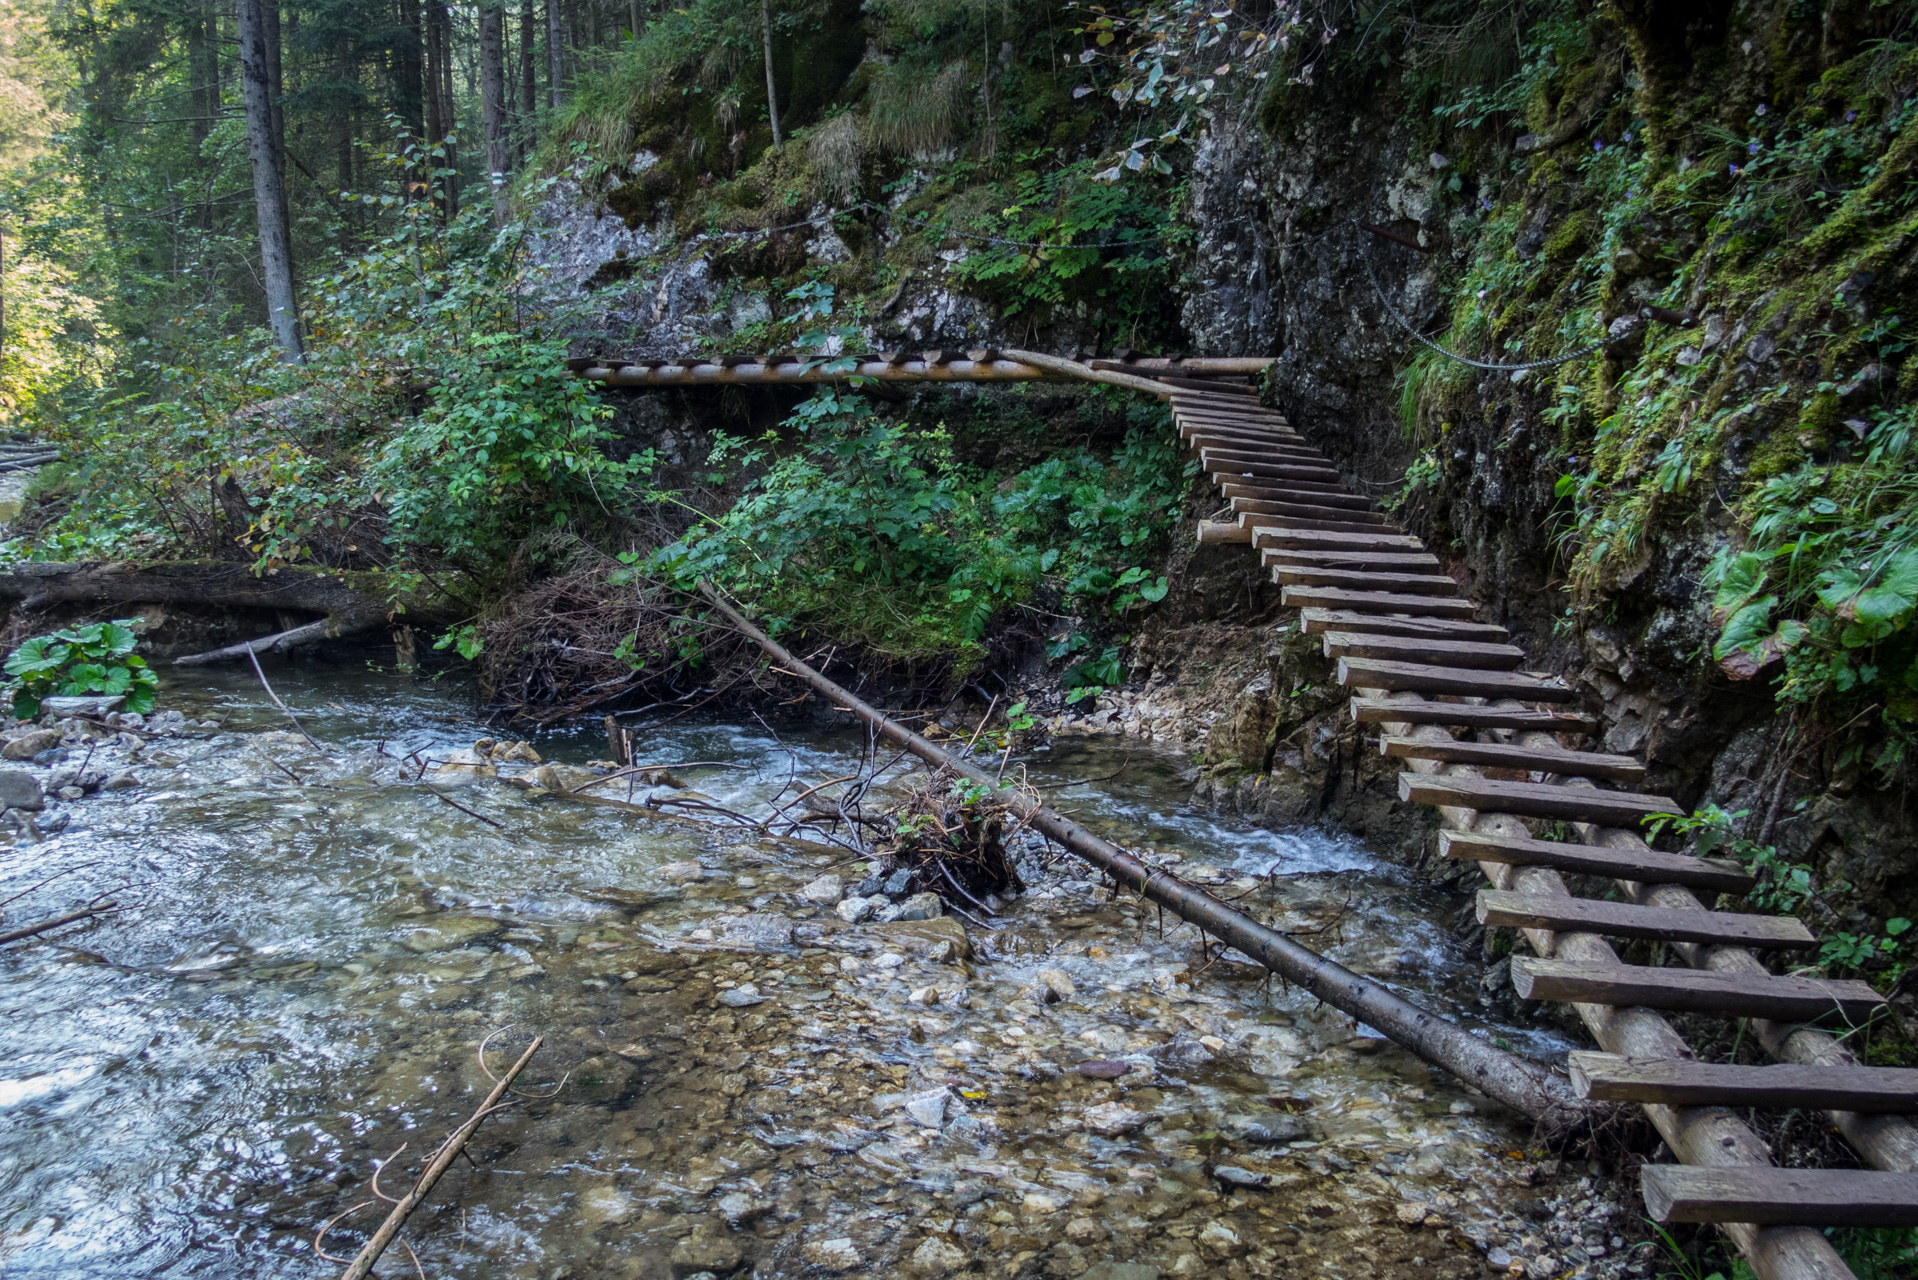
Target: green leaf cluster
(77, 661)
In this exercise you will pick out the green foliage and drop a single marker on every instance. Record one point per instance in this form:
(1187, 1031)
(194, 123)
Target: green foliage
(464, 640)
(94, 659)
(870, 531)
(434, 423)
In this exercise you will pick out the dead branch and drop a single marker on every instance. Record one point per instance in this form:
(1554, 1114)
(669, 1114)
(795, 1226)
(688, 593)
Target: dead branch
(362, 1264)
(84, 913)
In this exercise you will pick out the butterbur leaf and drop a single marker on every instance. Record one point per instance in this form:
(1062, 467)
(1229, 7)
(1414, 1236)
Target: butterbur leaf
(1156, 592)
(1746, 629)
(1740, 578)
(119, 639)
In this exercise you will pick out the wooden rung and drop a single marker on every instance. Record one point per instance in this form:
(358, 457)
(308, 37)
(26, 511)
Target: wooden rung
(1244, 423)
(1466, 715)
(1186, 397)
(1208, 438)
(1396, 561)
(1730, 995)
(1499, 755)
(1304, 539)
(1206, 384)
(1427, 648)
(1611, 1077)
(1642, 865)
(1419, 677)
(1424, 584)
(1769, 1196)
(1249, 451)
(1294, 493)
(1319, 621)
(1211, 531)
(1296, 507)
(1284, 517)
(1563, 914)
(1376, 602)
(1534, 799)
(1237, 462)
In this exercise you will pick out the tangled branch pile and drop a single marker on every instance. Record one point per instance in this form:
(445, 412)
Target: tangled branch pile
(951, 835)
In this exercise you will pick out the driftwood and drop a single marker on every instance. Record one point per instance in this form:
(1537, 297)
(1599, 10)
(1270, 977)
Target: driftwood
(34, 930)
(1523, 1085)
(347, 601)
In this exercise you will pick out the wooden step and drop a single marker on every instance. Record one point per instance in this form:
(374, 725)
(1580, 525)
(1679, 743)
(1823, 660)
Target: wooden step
(1534, 799)
(1395, 561)
(1304, 540)
(1500, 755)
(1296, 506)
(1298, 493)
(1354, 522)
(1461, 682)
(1466, 715)
(1376, 602)
(1730, 995)
(1207, 385)
(1627, 920)
(1770, 1196)
(1245, 463)
(1265, 447)
(1239, 424)
(1249, 451)
(1451, 653)
(1611, 1077)
(1183, 398)
(1319, 621)
(1423, 584)
(1642, 865)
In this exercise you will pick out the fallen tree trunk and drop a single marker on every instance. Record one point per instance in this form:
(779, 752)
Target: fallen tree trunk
(1524, 1086)
(347, 600)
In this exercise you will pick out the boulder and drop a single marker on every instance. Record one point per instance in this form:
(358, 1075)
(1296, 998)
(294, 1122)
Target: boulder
(943, 940)
(20, 790)
(826, 890)
(29, 745)
(922, 906)
(450, 932)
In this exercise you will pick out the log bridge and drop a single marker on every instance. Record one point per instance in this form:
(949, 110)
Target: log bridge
(1494, 748)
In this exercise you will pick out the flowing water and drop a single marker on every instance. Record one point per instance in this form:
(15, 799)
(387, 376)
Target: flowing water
(732, 1078)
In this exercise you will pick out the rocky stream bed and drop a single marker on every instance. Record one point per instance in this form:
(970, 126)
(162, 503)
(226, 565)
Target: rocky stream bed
(744, 1070)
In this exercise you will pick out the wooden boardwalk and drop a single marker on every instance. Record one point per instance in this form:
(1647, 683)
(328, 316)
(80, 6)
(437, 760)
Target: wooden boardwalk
(1489, 744)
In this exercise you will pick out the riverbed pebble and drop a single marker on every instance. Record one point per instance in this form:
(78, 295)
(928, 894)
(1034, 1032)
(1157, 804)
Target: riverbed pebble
(826, 890)
(838, 1254)
(20, 790)
(853, 910)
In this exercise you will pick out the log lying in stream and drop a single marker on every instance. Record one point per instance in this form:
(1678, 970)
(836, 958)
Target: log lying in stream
(1524, 1086)
(348, 601)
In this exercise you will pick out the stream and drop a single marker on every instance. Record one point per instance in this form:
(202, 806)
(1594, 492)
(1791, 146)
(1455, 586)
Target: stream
(734, 1080)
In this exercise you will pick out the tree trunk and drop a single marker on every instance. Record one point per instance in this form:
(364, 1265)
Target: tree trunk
(528, 73)
(638, 15)
(772, 91)
(555, 54)
(492, 43)
(267, 156)
(439, 77)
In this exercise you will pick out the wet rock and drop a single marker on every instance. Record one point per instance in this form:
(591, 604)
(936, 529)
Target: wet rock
(853, 910)
(1543, 1267)
(20, 790)
(1110, 1119)
(1084, 1231)
(1217, 1241)
(871, 885)
(120, 782)
(759, 929)
(1053, 985)
(1233, 1176)
(1270, 1129)
(737, 1207)
(450, 932)
(1038, 1203)
(29, 745)
(78, 705)
(716, 1254)
(1121, 1271)
(897, 883)
(71, 793)
(886, 912)
(742, 997)
(826, 890)
(682, 872)
(604, 1204)
(935, 1257)
(1411, 1213)
(943, 940)
(922, 906)
(833, 1255)
(1103, 1069)
(929, 1108)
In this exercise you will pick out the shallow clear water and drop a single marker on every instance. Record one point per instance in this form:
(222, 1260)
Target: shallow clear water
(318, 944)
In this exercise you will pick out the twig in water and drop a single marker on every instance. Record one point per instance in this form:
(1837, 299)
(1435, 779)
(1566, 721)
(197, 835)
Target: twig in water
(362, 1264)
(288, 772)
(254, 658)
(433, 790)
(84, 913)
(4, 902)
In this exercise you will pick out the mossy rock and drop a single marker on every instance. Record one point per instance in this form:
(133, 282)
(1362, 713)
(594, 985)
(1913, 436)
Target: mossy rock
(1570, 237)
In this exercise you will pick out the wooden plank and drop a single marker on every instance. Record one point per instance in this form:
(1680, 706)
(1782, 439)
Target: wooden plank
(1780, 1197)
(1730, 995)
(1500, 755)
(1305, 539)
(1376, 602)
(1427, 648)
(1643, 865)
(1395, 561)
(1611, 1077)
(1358, 523)
(1253, 462)
(1206, 385)
(1466, 715)
(1534, 799)
(1210, 439)
(1184, 398)
(1421, 584)
(1627, 920)
(1302, 493)
(1228, 420)
(1295, 506)
(1419, 677)
(1319, 621)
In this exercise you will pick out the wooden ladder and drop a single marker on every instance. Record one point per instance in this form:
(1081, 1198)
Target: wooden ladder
(1420, 666)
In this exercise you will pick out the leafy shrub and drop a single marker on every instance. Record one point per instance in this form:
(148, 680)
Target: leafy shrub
(871, 531)
(76, 661)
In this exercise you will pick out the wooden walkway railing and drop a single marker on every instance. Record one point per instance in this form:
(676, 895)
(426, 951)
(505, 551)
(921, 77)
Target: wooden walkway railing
(1422, 669)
